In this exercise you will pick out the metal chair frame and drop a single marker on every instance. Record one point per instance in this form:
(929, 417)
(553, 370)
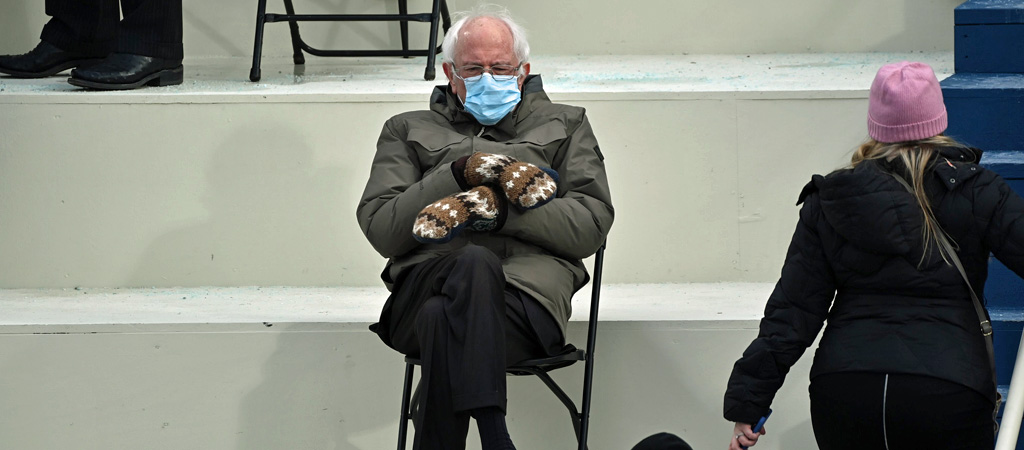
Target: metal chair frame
(438, 13)
(537, 367)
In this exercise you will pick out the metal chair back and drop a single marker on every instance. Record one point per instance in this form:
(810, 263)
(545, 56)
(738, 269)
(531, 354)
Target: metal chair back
(438, 16)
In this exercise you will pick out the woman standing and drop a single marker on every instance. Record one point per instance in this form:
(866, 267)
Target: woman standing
(903, 363)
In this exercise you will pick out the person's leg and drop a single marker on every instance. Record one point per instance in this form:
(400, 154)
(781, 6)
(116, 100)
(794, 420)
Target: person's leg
(846, 411)
(927, 412)
(149, 49)
(450, 312)
(453, 312)
(82, 26)
(80, 32)
(530, 332)
(151, 28)
(895, 411)
(441, 426)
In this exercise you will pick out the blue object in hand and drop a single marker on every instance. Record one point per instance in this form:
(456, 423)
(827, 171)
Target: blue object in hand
(760, 424)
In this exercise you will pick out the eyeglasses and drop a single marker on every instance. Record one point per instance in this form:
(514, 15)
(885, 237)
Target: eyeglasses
(500, 72)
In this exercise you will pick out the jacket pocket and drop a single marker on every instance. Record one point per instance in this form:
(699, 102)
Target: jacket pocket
(544, 134)
(541, 144)
(434, 141)
(434, 146)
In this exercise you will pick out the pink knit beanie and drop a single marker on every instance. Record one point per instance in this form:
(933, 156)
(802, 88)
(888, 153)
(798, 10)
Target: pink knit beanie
(905, 103)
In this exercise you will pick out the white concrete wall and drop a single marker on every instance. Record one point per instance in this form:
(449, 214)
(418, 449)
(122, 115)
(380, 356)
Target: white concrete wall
(334, 386)
(567, 27)
(238, 194)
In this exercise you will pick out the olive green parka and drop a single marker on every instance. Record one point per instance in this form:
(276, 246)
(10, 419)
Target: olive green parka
(541, 249)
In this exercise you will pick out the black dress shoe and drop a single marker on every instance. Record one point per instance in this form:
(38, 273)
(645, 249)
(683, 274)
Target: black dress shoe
(127, 71)
(44, 60)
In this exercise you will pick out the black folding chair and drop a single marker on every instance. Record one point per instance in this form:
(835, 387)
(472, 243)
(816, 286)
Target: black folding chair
(439, 12)
(538, 367)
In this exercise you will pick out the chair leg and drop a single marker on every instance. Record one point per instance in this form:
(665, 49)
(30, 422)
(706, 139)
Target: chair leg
(588, 383)
(581, 432)
(293, 27)
(435, 16)
(578, 423)
(415, 408)
(446, 19)
(261, 11)
(403, 9)
(403, 422)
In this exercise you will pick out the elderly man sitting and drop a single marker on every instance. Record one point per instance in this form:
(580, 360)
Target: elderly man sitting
(485, 206)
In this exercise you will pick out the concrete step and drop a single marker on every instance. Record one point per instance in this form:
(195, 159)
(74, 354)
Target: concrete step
(222, 182)
(276, 368)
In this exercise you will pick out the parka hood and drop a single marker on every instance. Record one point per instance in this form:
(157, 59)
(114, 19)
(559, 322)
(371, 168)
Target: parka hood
(870, 208)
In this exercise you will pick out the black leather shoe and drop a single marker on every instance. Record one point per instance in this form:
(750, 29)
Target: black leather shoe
(126, 71)
(44, 60)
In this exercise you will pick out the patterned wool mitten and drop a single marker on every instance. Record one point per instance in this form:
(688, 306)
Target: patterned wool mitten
(479, 209)
(525, 185)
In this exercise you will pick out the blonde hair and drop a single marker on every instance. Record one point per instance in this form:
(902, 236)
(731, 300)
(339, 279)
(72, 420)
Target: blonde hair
(917, 157)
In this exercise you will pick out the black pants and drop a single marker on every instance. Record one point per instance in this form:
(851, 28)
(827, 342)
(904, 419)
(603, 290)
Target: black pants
(457, 314)
(866, 411)
(149, 28)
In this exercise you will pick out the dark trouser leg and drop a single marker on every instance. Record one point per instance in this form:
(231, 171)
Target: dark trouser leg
(456, 314)
(151, 28)
(868, 410)
(82, 26)
(926, 412)
(443, 426)
(846, 411)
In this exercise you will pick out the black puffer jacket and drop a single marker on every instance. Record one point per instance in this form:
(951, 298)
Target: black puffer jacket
(859, 242)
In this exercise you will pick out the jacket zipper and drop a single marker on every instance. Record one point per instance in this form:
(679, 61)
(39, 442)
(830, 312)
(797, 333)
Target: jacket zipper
(885, 394)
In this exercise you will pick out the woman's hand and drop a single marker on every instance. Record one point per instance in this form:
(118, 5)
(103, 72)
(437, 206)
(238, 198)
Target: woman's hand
(743, 436)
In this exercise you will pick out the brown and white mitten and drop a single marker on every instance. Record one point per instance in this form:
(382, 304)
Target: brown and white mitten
(525, 185)
(479, 209)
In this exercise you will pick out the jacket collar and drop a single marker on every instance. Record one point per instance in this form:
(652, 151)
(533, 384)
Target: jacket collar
(961, 154)
(868, 207)
(443, 101)
(952, 166)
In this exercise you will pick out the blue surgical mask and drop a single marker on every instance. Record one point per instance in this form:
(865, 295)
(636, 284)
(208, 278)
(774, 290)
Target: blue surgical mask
(490, 100)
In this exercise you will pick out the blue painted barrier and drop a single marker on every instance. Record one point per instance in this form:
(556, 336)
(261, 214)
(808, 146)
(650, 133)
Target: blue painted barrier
(985, 103)
(989, 36)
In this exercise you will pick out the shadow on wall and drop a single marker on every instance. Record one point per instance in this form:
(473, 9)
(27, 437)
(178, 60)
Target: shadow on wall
(345, 398)
(266, 223)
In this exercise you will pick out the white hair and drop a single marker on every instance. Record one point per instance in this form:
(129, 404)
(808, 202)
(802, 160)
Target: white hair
(451, 38)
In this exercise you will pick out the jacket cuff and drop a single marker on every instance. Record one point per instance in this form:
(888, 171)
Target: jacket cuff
(745, 413)
(459, 172)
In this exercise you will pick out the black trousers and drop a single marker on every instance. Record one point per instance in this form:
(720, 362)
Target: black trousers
(149, 28)
(457, 314)
(867, 411)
